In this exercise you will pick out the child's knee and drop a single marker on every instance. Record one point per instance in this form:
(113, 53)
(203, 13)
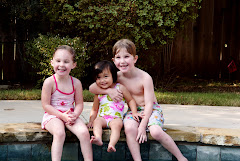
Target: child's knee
(129, 130)
(116, 126)
(84, 133)
(116, 123)
(157, 133)
(60, 134)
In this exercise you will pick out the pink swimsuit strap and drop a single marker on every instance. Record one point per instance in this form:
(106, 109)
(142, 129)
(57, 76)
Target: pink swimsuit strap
(61, 91)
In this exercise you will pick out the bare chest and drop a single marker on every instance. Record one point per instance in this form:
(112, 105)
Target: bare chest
(135, 87)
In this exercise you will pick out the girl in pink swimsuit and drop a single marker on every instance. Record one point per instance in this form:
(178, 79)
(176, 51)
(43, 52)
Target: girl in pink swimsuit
(110, 113)
(62, 102)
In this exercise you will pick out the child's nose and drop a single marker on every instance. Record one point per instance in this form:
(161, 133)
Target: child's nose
(122, 60)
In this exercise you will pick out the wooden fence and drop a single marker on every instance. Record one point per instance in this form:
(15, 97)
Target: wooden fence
(206, 47)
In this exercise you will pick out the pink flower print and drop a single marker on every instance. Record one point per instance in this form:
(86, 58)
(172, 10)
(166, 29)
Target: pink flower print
(63, 103)
(101, 97)
(107, 117)
(117, 106)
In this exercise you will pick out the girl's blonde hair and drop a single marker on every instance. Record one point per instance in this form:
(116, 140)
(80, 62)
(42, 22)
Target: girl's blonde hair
(69, 49)
(124, 43)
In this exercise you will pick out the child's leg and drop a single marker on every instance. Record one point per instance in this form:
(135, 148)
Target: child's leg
(98, 124)
(116, 126)
(82, 133)
(167, 142)
(57, 128)
(131, 131)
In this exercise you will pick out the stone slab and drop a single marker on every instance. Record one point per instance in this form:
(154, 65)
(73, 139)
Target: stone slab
(32, 132)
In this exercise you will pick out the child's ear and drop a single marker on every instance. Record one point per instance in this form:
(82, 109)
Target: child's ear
(135, 58)
(74, 65)
(113, 59)
(51, 62)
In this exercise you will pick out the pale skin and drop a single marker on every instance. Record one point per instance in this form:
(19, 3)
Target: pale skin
(70, 119)
(140, 85)
(98, 123)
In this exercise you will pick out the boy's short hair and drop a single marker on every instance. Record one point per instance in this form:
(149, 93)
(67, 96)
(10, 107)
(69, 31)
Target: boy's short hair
(69, 49)
(104, 64)
(124, 43)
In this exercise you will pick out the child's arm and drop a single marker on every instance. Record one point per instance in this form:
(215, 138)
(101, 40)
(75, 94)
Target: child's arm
(131, 102)
(94, 111)
(148, 99)
(78, 97)
(115, 94)
(46, 99)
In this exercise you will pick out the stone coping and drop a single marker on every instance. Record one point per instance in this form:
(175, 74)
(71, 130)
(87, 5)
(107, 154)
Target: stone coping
(32, 132)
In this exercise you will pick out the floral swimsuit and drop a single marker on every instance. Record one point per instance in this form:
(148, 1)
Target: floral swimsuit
(108, 109)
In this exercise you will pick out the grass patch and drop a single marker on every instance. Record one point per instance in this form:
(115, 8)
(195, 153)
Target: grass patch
(33, 94)
(199, 98)
(19, 94)
(87, 96)
(212, 98)
(182, 91)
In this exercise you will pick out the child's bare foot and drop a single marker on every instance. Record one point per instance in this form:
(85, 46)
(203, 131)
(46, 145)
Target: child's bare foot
(96, 141)
(111, 149)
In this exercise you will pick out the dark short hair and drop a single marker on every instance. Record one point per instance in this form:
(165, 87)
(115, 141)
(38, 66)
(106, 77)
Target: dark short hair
(104, 64)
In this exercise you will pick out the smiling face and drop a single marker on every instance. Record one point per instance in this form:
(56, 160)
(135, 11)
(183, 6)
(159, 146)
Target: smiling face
(123, 60)
(104, 80)
(62, 62)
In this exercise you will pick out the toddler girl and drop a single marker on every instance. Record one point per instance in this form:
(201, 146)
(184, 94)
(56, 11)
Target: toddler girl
(110, 113)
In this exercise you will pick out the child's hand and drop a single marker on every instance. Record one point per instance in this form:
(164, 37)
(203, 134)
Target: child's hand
(142, 136)
(137, 116)
(90, 125)
(71, 117)
(64, 116)
(141, 114)
(115, 94)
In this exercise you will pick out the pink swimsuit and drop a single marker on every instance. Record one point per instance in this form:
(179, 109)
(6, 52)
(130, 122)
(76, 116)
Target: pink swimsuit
(61, 101)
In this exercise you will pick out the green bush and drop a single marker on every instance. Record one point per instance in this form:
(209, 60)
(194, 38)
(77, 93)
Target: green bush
(149, 24)
(145, 22)
(39, 53)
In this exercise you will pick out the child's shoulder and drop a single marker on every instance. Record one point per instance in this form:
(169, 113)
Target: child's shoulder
(121, 86)
(76, 81)
(144, 74)
(49, 80)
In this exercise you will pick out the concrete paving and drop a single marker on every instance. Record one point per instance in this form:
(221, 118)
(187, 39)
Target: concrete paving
(21, 111)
